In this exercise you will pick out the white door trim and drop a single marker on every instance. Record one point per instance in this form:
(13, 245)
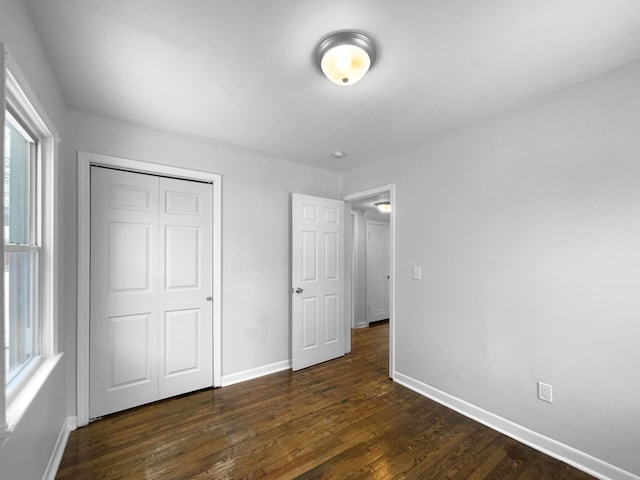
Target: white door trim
(391, 188)
(354, 268)
(85, 161)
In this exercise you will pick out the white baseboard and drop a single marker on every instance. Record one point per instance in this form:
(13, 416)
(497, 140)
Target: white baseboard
(581, 460)
(255, 373)
(70, 424)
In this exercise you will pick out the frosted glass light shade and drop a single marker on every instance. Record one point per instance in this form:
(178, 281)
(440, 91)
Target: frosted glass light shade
(345, 64)
(384, 207)
(345, 57)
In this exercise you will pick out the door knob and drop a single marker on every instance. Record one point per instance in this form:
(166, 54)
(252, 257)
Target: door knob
(209, 299)
(299, 290)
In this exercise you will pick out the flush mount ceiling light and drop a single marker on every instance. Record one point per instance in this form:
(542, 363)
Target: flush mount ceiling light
(384, 207)
(345, 56)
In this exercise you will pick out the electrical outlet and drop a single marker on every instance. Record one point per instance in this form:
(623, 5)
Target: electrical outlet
(545, 392)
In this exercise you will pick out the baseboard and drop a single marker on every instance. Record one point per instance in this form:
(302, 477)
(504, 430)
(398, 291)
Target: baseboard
(581, 460)
(70, 424)
(255, 373)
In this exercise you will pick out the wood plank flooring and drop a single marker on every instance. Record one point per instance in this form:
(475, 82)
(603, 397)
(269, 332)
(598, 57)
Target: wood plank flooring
(342, 419)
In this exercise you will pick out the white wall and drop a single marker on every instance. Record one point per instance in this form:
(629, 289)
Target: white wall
(31, 446)
(19, 35)
(32, 443)
(527, 228)
(255, 232)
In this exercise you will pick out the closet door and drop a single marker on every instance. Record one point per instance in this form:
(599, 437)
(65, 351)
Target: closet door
(124, 291)
(185, 269)
(151, 285)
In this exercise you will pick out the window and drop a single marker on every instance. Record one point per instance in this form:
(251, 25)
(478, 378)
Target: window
(21, 248)
(28, 296)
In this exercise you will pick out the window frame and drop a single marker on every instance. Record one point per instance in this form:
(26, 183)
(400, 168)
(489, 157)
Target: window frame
(24, 126)
(22, 103)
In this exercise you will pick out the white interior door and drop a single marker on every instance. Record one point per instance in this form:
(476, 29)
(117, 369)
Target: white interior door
(151, 270)
(378, 271)
(317, 330)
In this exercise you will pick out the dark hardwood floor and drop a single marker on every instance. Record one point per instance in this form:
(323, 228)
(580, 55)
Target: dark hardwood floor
(341, 419)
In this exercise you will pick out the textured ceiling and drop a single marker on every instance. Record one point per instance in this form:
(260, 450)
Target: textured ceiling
(241, 72)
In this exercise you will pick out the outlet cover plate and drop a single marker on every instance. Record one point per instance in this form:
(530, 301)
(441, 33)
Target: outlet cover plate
(545, 392)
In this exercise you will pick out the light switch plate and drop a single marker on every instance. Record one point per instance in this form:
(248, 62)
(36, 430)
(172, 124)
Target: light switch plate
(416, 272)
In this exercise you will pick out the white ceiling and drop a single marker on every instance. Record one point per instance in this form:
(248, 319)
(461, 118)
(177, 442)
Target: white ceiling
(241, 72)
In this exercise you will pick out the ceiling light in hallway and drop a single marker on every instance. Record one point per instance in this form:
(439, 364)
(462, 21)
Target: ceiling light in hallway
(384, 207)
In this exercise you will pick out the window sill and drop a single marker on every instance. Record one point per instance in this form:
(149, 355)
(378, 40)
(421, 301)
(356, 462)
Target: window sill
(28, 392)
(20, 381)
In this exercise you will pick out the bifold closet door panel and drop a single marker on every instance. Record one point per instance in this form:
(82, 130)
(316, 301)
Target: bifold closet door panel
(124, 291)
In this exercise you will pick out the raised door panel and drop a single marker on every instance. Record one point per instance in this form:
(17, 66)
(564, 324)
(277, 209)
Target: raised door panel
(309, 323)
(182, 203)
(331, 216)
(331, 318)
(183, 332)
(309, 257)
(182, 257)
(131, 197)
(308, 213)
(129, 350)
(331, 256)
(129, 253)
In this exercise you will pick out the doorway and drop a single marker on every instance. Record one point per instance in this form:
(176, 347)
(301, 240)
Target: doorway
(366, 219)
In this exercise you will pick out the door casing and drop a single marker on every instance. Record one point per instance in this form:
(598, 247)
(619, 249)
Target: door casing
(85, 161)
